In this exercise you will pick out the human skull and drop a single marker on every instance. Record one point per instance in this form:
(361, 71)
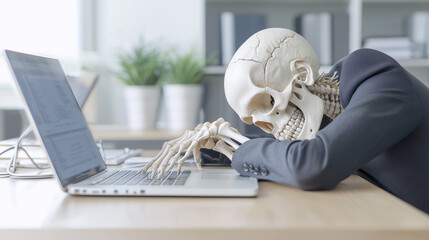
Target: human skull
(265, 84)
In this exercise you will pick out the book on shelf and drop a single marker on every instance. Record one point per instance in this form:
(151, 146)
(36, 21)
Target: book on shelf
(213, 45)
(236, 29)
(388, 42)
(418, 31)
(327, 33)
(340, 36)
(396, 47)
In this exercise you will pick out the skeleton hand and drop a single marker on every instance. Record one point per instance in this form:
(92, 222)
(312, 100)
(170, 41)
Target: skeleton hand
(213, 135)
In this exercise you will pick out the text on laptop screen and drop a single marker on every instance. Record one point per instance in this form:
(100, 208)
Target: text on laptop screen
(56, 114)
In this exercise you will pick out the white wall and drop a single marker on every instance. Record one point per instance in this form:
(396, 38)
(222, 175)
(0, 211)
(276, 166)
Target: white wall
(120, 24)
(45, 27)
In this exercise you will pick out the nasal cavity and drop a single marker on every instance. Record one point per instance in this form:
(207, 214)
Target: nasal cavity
(266, 126)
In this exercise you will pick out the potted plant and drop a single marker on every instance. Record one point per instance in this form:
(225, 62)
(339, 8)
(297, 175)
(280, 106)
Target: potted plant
(183, 90)
(140, 71)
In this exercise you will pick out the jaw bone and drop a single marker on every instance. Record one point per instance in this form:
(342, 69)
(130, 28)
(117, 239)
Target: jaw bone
(327, 88)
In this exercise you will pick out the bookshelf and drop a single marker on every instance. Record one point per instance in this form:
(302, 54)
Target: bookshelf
(367, 18)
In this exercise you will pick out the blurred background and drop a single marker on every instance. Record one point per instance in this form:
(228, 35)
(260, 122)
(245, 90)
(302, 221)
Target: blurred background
(111, 38)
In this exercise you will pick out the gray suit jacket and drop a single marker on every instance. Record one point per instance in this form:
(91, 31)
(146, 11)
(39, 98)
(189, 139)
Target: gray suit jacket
(383, 135)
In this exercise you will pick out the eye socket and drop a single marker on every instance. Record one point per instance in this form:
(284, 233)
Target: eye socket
(272, 101)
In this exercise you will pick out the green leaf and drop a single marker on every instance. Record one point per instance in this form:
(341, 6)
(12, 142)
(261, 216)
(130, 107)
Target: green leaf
(141, 66)
(185, 69)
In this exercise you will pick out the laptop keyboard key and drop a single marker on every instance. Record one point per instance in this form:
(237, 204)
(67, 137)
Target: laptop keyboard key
(158, 182)
(146, 181)
(185, 173)
(126, 178)
(136, 177)
(98, 178)
(114, 178)
(171, 178)
(168, 182)
(180, 182)
(183, 177)
(140, 176)
(173, 175)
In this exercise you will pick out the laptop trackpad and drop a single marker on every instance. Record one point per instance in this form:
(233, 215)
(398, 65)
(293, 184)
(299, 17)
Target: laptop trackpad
(220, 178)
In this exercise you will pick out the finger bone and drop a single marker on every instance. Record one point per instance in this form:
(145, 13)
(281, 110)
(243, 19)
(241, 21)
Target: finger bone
(226, 130)
(224, 149)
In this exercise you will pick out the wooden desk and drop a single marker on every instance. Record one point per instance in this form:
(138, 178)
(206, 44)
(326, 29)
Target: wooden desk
(38, 209)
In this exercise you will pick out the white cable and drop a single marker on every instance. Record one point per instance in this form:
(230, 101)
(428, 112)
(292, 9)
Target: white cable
(12, 165)
(5, 174)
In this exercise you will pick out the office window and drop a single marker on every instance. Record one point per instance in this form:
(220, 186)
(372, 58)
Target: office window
(47, 27)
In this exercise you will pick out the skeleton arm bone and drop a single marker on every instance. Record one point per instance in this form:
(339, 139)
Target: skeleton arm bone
(208, 135)
(225, 149)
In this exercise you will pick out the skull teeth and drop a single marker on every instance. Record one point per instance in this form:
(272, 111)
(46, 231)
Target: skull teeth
(293, 127)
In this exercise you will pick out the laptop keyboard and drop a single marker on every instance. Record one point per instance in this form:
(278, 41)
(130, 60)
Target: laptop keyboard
(136, 177)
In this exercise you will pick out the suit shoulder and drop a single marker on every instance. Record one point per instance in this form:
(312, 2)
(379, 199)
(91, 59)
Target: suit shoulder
(365, 63)
(367, 57)
(369, 64)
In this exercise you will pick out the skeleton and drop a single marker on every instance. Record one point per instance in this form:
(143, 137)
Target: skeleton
(272, 82)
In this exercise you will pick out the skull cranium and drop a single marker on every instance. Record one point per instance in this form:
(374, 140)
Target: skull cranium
(266, 84)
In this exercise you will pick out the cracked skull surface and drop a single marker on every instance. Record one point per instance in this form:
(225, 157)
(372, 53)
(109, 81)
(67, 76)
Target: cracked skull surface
(273, 82)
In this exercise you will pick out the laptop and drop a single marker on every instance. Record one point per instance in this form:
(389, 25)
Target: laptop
(60, 127)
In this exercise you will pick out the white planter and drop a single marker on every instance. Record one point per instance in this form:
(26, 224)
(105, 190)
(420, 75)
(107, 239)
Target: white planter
(182, 103)
(141, 104)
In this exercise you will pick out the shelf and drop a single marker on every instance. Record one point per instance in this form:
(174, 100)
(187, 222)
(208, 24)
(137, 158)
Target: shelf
(215, 70)
(414, 62)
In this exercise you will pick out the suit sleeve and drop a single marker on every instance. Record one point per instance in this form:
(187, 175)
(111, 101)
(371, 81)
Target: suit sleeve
(381, 110)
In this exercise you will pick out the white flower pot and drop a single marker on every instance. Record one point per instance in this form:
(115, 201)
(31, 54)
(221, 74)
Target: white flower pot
(182, 103)
(141, 104)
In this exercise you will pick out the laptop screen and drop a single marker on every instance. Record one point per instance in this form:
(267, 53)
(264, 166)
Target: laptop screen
(57, 116)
